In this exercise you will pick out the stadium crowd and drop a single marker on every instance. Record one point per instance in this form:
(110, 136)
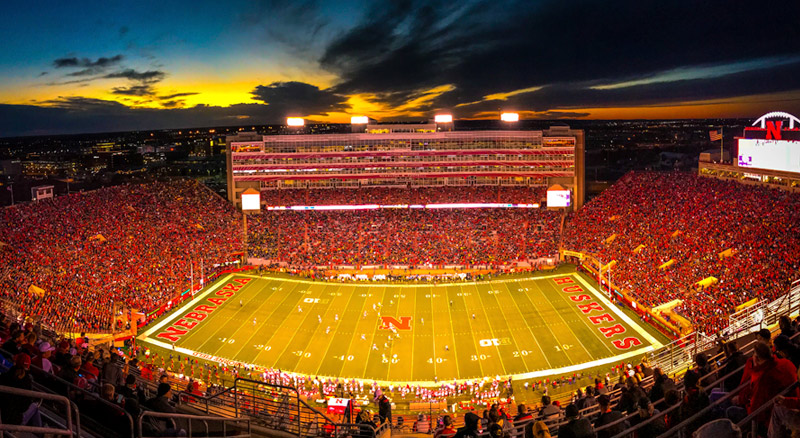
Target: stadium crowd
(404, 237)
(410, 195)
(647, 219)
(129, 245)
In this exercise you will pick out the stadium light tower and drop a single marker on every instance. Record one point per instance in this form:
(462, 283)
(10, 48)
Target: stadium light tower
(359, 124)
(509, 117)
(295, 122)
(444, 122)
(251, 202)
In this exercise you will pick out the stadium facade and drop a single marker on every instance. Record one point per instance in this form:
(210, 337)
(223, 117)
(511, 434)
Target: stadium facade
(406, 155)
(767, 154)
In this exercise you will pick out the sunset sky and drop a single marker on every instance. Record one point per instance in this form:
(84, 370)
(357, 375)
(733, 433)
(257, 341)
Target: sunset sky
(71, 67)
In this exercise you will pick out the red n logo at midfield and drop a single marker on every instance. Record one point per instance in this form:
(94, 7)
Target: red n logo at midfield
(388, 321)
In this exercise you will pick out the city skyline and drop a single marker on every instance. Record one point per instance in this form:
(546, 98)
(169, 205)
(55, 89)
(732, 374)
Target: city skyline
(108, 67)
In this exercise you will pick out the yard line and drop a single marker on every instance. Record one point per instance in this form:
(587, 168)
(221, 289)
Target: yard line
(421, 367)
(327, 367)
(219, 328)
(495, 366)
(504, 352)
(299, 339)
(404, 346)
(359, 357)
(241, 355)
(459, 301)
(530, 330)
(273, 313)
(553, 336)
(568, 330)
(320, 341)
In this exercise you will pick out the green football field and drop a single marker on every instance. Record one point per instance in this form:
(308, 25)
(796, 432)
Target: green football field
(521, 327)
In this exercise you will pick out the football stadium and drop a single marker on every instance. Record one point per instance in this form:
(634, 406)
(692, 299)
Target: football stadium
(410, 278)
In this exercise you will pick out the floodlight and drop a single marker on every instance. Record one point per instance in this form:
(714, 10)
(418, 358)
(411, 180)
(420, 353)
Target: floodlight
(443, 118)
(509, 117)
(295, 121)
(251, 199)
(359, 120)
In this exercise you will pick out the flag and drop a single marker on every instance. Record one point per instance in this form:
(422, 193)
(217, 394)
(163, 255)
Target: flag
(9, 188)
(715, 135)
(36, 291)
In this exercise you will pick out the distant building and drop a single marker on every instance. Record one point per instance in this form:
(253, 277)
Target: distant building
(39, 193)
(10, 167)
(406, 155)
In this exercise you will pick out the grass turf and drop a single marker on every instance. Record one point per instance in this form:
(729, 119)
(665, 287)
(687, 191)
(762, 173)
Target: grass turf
(525, 327)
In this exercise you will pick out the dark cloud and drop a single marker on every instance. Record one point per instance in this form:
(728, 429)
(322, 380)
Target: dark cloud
(73, 62)
(173, 96)
(299, 98)
(134, 90)
(771, 80)
(148, 77)
(484, 47)
(79, 114)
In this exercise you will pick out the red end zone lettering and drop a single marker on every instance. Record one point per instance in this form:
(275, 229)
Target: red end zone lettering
(197, 316)
(172, 334)
(186, 324)
(199, 313)
(579, 298)
(626, 343)
(615, 329)
(205, 308)
(564, 280)
(597, 319)
(586, 308)
(388, 321)
(572, 289)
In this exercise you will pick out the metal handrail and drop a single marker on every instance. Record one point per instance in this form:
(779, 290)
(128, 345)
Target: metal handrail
(35, 429)
(70, 386)
(204, 419)
(644, 423)
(768, 405)
(678, 427)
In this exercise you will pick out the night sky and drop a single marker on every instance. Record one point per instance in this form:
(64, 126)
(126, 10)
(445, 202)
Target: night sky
(72, 67)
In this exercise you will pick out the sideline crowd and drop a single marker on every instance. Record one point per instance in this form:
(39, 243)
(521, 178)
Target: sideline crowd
(130, 246)
(692, 220)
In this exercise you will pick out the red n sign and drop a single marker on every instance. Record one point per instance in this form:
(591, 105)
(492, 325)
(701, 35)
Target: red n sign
(774, 130)
(388, 321)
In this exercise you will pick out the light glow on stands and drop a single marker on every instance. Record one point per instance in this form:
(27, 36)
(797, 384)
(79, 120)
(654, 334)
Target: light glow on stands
(558, 198)
(359, 120)
(443, 118)
(397, 206)
(781, 155)
(295, 121)
(509, 117)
